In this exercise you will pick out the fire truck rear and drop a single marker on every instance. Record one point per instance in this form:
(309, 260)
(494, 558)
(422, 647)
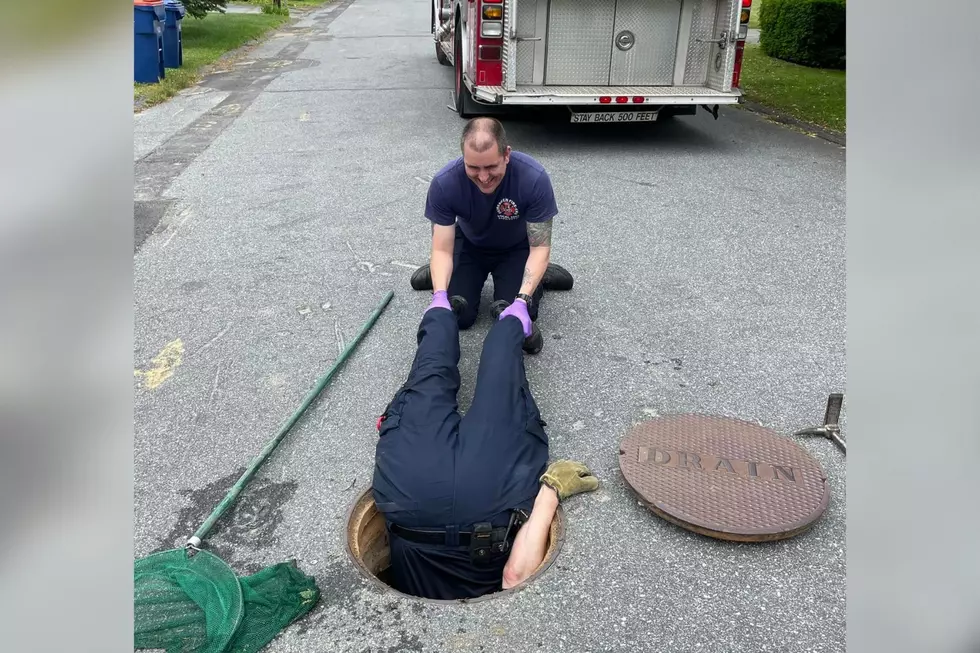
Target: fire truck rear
(605, 60)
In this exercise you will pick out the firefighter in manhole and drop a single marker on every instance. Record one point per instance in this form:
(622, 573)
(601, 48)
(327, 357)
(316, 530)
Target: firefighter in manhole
(492, 211)
(468, 501)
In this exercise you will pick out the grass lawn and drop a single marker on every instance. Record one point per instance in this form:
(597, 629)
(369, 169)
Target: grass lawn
(755, 13)
(810, 94)
(205, 41)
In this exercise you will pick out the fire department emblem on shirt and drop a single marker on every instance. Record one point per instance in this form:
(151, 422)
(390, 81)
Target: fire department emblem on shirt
(506, 209)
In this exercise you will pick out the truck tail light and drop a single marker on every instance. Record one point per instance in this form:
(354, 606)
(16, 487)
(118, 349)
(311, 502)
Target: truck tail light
(489, 46)
(743, 32)
(491, 19)
(743, 19)
(489, 52)
(737, 73)
(492, 30)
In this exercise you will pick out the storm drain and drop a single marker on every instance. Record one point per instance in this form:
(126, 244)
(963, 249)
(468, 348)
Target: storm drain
(723, 477)
(367, 547)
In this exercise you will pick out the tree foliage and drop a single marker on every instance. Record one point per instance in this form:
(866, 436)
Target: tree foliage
(200, 8)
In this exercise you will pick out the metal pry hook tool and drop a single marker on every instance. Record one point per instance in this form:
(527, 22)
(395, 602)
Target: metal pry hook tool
(831, 427)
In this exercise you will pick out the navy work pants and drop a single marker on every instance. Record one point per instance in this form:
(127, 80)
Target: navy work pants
(438, 470)
(471, 267)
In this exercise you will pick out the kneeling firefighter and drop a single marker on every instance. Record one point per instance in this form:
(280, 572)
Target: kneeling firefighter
(492, 211)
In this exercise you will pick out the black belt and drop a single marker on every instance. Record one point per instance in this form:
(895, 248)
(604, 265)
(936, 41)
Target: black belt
(484, 541)
(437, 537)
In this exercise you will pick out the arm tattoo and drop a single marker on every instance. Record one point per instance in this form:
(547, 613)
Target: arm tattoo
(527, 276)
(539, 233)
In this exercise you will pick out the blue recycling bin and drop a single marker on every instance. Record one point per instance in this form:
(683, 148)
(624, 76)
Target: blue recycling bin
(173, 43)
(148, 21)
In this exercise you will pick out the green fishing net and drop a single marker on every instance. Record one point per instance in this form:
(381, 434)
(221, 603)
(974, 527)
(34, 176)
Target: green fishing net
(192, 602)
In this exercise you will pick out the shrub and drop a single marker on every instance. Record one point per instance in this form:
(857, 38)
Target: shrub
(270, 8)
(200, 8)
(807, 32)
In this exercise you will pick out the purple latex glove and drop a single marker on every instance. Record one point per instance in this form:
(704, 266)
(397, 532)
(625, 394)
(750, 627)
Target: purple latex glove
(519, 310)
(440, 299)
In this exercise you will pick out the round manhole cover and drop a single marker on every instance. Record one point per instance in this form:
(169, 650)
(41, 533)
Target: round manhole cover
(724, 477)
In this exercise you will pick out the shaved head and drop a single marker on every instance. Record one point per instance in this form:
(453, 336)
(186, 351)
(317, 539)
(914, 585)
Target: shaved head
(480, 134)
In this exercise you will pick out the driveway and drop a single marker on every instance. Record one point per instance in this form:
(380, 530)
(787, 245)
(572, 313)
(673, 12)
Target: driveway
(278, 203)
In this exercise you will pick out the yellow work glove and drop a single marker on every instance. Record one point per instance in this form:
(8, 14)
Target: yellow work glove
(567, 477)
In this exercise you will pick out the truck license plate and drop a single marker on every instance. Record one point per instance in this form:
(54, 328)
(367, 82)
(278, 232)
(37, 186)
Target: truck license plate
(616, 116)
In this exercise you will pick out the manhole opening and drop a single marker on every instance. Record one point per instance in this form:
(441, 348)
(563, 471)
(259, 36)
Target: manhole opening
(367, 546)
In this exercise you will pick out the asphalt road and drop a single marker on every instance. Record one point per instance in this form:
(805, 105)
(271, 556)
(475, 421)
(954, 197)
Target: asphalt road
(279, 203)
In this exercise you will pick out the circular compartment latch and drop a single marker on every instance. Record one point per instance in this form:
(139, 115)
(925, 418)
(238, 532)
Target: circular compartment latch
(625, 40)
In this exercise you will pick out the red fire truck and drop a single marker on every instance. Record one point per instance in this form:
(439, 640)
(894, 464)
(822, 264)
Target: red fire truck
(605, 60)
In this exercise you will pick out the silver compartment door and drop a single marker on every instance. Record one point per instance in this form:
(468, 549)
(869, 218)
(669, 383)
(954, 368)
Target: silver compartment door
(703, 16)
(644, 47)
(579, 42)
(531, 30)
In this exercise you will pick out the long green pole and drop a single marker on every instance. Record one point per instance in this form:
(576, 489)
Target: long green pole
(205, 528)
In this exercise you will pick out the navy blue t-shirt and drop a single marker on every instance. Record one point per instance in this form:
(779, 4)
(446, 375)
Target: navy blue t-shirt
(497, 221)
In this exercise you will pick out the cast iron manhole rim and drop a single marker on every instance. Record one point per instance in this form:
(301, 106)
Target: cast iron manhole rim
(804, 512)
(557, 539)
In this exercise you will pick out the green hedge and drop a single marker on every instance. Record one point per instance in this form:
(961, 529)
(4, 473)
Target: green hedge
(807, 32)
